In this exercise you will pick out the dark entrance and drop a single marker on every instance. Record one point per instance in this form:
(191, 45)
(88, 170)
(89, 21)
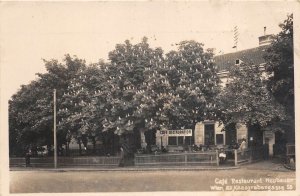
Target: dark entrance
(209, 134)
(279, 148)
(230, 135)
(255, 136)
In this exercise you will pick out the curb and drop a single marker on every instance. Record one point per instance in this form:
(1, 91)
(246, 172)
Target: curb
(137, 169)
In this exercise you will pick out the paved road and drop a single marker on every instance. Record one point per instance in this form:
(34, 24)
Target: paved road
(139, 181)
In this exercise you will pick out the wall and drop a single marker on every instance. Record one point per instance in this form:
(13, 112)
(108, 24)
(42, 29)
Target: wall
(161, 138)
(242, 133)
(199, 134)
(218, 130)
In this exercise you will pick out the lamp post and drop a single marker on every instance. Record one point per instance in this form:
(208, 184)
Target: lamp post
(54, 128)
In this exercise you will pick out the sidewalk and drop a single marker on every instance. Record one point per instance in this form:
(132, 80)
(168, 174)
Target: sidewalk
(271, 165)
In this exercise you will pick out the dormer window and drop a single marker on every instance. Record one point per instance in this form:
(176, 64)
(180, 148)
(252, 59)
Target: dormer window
(238, 61)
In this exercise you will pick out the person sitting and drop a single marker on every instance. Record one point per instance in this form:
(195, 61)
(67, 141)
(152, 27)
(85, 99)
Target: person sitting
(222, 156)
(208, 147)
(164, 150)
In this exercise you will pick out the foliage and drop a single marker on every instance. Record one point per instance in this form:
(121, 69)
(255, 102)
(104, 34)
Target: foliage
(139, 89)
(194, 85)
(280, 70)
(31, 108)
(280, 64)
(247, 100)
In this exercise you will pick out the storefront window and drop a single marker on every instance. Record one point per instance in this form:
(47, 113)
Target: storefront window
(180, 140)
(172, 141)
(188, 140)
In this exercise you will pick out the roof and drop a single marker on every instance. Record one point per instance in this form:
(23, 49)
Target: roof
(253, 56)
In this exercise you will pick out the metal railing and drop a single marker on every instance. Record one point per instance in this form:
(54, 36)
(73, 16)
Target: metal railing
(207, 158)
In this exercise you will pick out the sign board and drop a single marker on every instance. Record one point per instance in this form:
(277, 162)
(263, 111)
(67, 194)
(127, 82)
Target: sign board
(269, 134)
(180, 132)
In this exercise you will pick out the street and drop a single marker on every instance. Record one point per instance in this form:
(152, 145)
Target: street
(139, 181)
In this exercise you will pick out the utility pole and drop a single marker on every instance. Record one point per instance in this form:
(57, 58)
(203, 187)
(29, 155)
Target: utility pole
(54, 128)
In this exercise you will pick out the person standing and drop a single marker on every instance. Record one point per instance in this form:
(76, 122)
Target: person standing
(121, 164)
(27, 158)
(243, 146)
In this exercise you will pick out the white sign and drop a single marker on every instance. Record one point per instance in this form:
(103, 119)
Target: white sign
(180, 132)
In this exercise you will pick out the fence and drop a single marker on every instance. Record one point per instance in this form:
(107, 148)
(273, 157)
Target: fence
(203, 158)
(249, 155)
(66, 161)
(290, 150)
(187, 158)
(234, 157)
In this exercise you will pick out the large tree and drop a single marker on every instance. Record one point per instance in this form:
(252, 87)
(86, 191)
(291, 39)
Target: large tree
(140, 89)
(128, 73)
(194, 85)
(280, 70)
(31, 108)
(246, 99)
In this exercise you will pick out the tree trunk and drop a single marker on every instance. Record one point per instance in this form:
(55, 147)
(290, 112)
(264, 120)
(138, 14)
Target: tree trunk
(94, 145)
(67, 148)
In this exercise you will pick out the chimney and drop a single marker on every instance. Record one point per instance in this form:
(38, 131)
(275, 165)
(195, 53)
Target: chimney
(265, 39)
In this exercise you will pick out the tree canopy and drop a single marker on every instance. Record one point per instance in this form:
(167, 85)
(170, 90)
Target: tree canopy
(280, 70)
(263, 95)
(247, 100)
(139, 88)
(31, 108)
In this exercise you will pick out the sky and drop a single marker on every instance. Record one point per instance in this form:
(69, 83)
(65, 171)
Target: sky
(32, 31)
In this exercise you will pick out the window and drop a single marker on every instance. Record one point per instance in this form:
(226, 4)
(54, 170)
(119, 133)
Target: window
(172, 141)
(238, 61)
(188, 140)
(180, 140)
(220, 139)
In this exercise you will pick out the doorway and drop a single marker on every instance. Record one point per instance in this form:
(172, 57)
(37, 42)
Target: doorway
(209, 134)
(279, 148)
